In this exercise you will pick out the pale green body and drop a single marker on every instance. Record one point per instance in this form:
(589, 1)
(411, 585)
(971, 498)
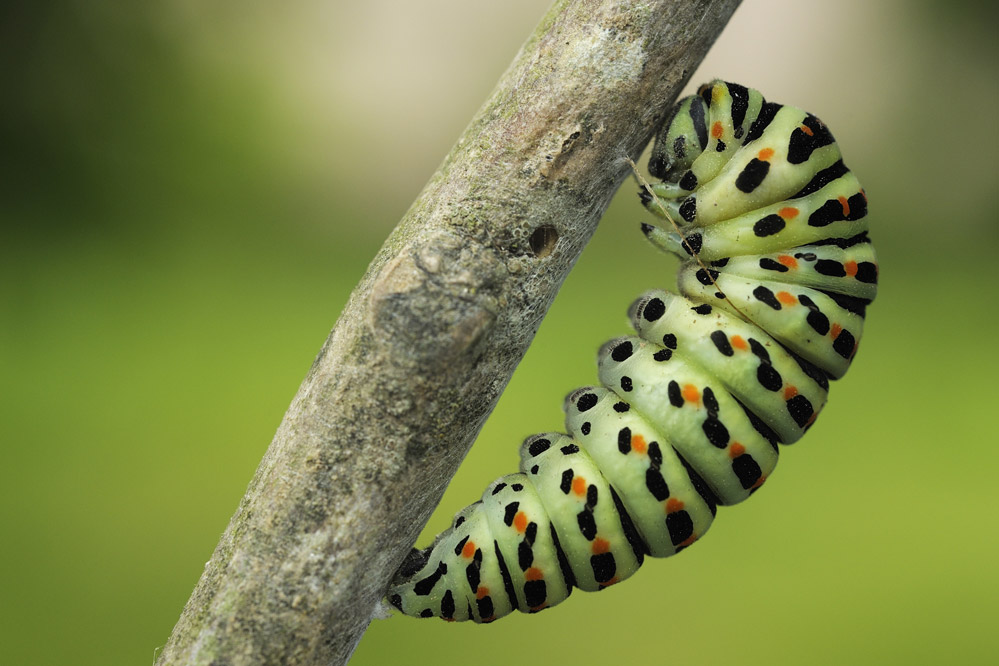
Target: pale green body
(692, 409)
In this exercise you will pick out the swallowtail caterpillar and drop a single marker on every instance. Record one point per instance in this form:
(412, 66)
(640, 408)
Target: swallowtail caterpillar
(777, 275)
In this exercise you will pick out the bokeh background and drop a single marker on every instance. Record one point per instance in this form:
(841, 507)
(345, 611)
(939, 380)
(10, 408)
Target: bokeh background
(190, 190)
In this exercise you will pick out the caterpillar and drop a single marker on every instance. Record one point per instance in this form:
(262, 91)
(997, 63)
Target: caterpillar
(778, 270)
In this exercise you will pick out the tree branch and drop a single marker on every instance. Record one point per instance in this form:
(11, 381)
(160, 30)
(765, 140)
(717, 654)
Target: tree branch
(433, 332)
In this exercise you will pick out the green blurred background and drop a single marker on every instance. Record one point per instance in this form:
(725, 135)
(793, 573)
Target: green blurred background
(190, 190)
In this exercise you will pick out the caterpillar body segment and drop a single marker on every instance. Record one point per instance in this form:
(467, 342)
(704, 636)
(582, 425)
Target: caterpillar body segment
(670, 508)
(758, 371)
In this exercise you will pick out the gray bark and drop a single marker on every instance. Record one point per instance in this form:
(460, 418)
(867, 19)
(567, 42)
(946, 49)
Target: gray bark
(433, 332)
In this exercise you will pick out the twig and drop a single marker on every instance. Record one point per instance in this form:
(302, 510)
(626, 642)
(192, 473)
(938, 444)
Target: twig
(433, 331)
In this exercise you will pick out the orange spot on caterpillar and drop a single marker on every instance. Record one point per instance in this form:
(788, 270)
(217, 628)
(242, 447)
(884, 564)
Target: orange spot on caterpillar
(863, 194)
(806, 129)
(579, 486)
(534, 573)
(483, 591)
(600, 546)
(736, 450)
(759, 482)
(765, 154)
(468, 550)
(520, 522)
(790, 392)
(686, 542)
(638, 443)
(717, 130)
(788, 213)
(609, 583)
(835, 330)
(539, 607)
(690, 393)
(851, 268)
(786, 298)
(673, 505)
(787, 260)
(845, 203)
(739, 343)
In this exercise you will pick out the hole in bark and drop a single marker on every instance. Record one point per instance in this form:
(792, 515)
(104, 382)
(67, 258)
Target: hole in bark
(543, 240)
